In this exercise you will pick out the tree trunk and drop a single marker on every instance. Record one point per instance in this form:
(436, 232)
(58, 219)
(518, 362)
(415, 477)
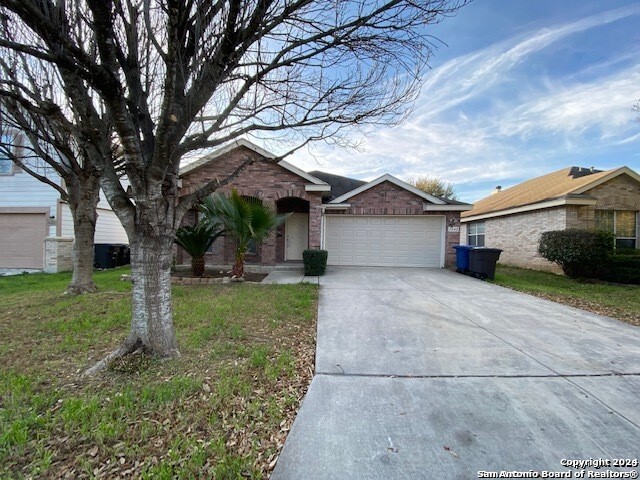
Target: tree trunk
(152, 317)
(151, 236)
(83, 209)
(82, 278)
(197, 266)
(238, 267)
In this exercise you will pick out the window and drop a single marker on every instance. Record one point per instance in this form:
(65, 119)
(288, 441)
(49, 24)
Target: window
(476, 234)
(252, 247)
(6, 164)
(622, 223)
(11, 144)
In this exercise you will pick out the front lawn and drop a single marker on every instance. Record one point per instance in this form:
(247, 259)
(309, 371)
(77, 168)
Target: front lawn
(221, 411)
(618, 301)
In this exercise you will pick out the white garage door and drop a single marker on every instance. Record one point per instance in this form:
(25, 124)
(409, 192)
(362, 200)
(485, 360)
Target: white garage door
(22, 242)
(384, 241)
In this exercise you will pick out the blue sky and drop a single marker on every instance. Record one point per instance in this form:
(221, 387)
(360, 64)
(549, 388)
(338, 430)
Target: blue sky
(522, 88)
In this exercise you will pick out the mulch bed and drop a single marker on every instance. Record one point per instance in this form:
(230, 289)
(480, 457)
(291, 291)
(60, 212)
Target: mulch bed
(248, 276)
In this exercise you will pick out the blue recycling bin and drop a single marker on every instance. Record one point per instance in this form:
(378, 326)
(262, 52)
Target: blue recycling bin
(462, 257)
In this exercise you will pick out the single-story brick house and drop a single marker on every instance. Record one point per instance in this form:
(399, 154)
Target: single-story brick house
(513, 219)
(385, 222)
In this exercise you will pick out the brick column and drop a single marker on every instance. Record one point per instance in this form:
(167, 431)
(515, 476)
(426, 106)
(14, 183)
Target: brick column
(315, 218)
(58, 253)
(269, 245)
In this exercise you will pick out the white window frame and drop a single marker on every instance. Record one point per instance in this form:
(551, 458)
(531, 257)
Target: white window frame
(472, 231)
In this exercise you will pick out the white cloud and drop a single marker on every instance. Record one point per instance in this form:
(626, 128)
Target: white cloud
(604, 105)
(471, 75)
(507, 139)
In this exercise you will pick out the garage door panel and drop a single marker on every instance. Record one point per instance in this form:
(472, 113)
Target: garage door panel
(22, 242)
(384, 241)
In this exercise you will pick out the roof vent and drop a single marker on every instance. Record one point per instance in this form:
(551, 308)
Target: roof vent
(577, 172)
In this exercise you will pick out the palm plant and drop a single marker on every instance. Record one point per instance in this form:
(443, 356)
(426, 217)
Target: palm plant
(246, 219)
(196, 240)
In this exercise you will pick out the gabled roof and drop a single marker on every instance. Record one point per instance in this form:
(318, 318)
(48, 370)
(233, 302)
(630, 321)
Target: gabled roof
(323, 186)
(395, 181)
(339, 184)
(562, 187)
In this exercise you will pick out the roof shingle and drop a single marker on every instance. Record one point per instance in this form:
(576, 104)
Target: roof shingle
(547, 187)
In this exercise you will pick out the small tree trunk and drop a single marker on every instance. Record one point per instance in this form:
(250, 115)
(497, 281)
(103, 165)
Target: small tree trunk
(238, 267)
(83, 209)
(197, 266)
(82, 278)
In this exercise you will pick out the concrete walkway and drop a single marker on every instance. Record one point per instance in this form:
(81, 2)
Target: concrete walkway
(430, 374)
(290, 275)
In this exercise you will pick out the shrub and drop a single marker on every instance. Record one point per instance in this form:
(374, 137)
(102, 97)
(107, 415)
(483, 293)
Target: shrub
(577, 252)
(628, 252)
(245, 218)
(624, 267)
(196, 240)
(315, 261)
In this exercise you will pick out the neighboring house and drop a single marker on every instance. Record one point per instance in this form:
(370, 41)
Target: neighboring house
(574, 197)
(386, 222)
(36, 225)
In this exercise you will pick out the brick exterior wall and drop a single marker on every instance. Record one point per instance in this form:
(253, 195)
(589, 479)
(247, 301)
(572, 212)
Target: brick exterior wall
(275, 186)
(390, 199)
(518, 235)
(58, 254)
(385, 199)
(262, 179)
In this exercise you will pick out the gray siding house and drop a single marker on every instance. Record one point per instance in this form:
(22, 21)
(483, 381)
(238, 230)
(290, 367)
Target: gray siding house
(36, 225)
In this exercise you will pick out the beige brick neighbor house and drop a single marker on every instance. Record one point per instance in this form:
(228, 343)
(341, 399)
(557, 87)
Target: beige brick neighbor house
(385, 222)
(513, 219)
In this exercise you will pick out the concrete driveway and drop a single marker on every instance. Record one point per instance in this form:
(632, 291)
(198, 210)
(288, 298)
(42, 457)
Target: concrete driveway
(425, 373)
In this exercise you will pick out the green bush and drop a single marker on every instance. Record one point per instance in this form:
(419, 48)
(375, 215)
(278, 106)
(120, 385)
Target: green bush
(580, 253)
(624, 267)
(628, 252)
(315, 261)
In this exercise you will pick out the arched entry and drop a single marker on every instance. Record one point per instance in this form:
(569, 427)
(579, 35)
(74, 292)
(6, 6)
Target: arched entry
(293, 236)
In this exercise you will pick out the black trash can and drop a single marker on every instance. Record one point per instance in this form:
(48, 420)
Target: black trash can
(118, 251)
(102, 255)
(462, 257)
(126, 255)
(482, 261)
(109, 255)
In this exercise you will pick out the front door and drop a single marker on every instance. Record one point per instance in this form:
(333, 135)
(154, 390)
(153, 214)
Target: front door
(296, 235)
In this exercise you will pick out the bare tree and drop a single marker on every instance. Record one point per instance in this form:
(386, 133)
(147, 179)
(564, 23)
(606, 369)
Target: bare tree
(434, 186)
(177, 77)
(48, 138)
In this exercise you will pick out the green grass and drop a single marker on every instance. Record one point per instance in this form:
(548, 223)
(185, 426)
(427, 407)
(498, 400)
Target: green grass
(220, 411)
(620, 301)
